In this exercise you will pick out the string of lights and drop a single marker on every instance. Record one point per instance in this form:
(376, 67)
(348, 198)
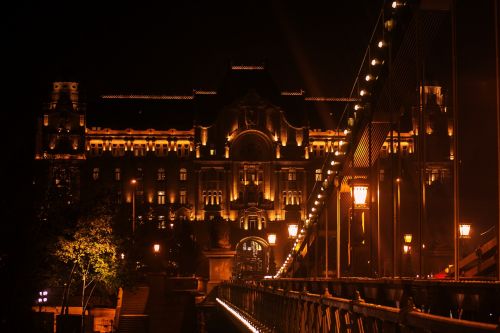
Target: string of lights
(369, 72)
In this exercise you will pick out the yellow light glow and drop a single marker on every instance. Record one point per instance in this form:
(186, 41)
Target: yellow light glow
(408, 238)
(406, 249)
(156, 248)
(204, 136)
(271, 238)
(464, 229)
(359, 192)
(292, 230)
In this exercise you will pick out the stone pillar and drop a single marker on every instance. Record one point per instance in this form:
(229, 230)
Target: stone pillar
(220, 266)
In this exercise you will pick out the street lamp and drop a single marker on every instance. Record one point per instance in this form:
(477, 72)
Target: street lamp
(407, 238)
(359, 195)
(293, 229)
(42, 299)
(359, 192)
(134, 183)
(464, 229)
(271, 239)
(156, 248)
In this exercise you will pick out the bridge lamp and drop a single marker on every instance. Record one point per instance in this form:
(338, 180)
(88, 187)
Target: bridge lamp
(375, 62)
(359, 192)
(406, 249)
(396, 4)
(271, 239)
(407, 238)
(293, 229)
(381, 44)
(358, 107)
(464, 229)
(363, 92)
(156, 248)
(369, 77)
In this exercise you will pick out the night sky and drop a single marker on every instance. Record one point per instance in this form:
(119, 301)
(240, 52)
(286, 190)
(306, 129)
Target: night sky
(173, 47)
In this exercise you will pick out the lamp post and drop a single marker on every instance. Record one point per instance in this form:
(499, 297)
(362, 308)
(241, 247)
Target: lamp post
(407, 238)
(293, 229)
(359, 194)
(134, 183)
(42, 299)
(464, 230)
(271, 239)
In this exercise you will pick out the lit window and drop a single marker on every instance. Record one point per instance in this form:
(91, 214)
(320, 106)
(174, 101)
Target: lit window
(284, 198)
(292, 174)
(319, 176)
(161, 222)
(161, 174)
(220, 198)
(183, 174)
(161, 197)
(45, 120)
(82, 120)
(182, 197)
(117, 174)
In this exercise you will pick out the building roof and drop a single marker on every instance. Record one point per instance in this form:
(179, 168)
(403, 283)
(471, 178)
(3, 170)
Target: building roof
(202, 107)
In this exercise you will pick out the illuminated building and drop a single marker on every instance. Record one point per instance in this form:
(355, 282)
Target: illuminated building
(246, 155)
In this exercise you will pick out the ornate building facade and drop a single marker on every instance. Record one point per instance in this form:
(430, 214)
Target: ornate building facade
(236, 164)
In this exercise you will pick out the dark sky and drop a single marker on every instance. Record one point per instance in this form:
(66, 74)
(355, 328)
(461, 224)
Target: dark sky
(167, 46)
(173, 46)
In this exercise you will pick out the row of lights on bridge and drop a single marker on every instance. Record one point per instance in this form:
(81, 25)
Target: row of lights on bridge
(359, 187)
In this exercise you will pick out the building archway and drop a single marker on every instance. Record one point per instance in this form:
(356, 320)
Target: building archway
(252, 145)
(252, 258)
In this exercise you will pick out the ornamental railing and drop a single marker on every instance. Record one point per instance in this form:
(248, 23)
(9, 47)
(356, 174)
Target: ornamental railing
(278, 310)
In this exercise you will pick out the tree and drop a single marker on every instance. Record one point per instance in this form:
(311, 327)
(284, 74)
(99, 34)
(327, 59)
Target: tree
(91, 252)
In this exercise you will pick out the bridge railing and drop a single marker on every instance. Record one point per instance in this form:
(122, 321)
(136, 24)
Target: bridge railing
(291, 311)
